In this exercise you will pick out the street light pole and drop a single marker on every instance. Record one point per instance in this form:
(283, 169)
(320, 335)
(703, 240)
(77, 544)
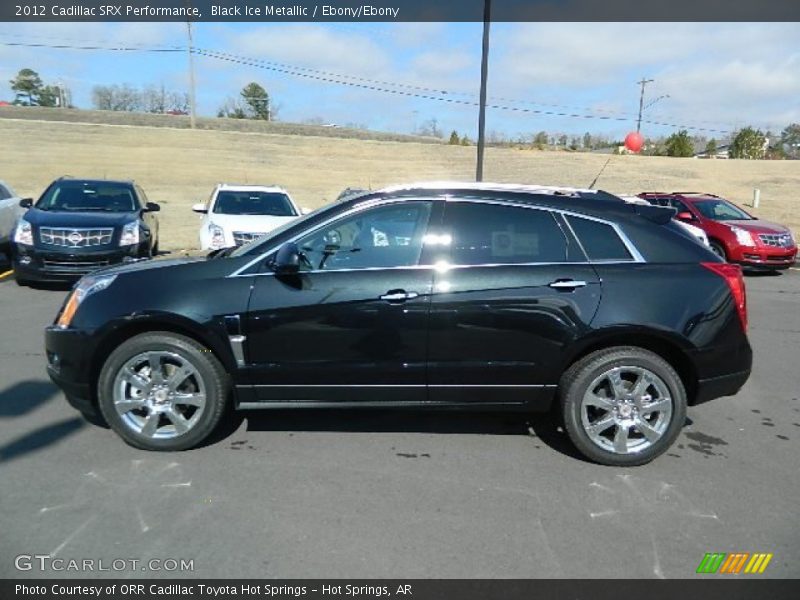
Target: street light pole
(642, 83)
(487, 17)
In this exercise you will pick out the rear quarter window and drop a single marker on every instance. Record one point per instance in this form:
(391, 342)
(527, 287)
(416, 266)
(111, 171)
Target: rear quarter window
(599, 240)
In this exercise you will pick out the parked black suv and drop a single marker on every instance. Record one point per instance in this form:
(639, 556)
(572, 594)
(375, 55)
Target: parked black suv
(457, 295)
(80, 225)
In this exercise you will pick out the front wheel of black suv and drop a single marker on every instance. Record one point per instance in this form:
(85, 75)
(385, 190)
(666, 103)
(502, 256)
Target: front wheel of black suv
(622, 406)
(162, 391)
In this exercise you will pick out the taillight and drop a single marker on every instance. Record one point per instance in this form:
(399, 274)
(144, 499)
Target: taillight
(732, 274)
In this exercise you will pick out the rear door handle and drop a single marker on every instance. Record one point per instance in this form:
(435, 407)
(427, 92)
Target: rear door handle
(567, 284)
(398, 296)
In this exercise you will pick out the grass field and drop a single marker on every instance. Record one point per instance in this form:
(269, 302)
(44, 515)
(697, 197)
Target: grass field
(178, 167)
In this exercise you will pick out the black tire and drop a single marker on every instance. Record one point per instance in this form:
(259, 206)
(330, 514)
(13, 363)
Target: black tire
(22, 282)
(154, 252)
(718, 249)
(94, 417)
(576, 381)
(208, 368)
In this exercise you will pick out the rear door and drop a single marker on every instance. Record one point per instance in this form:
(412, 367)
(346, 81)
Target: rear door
(8, 213)
(510, 293)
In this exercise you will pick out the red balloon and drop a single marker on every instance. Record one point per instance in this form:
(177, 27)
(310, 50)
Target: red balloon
(634, 141)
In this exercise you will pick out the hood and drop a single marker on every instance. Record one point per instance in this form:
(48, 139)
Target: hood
(46, 218)
(757, 226)
(249, 223)
(149, 265)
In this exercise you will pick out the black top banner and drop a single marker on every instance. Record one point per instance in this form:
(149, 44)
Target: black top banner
(400, 10)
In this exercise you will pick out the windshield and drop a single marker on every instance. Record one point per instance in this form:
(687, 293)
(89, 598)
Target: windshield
(720, 210)
(274, 204)
(78, 196)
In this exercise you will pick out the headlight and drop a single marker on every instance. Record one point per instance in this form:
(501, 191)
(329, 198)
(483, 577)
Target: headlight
(87, 286)
(744, 237)
(217, 235)
(23, 234)
(130, 234)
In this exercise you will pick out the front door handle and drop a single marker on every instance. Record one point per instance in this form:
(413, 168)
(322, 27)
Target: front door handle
(398, 296)
(567, 284)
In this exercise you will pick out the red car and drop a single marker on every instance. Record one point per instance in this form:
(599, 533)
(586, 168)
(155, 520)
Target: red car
(733, 234)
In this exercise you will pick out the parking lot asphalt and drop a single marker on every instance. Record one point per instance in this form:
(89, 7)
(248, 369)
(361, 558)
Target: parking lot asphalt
(401, 494)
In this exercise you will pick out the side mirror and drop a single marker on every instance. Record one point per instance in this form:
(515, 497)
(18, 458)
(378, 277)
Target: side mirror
(305, 210)
(26, 202)
(685, 216)
(287, 260)
(152, 207)
(200, 208)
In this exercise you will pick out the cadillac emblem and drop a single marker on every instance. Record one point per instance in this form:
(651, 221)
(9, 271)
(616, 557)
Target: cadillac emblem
(75, 238)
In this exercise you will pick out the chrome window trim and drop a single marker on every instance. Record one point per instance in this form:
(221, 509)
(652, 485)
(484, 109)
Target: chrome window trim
(351, 211)
(635, 254)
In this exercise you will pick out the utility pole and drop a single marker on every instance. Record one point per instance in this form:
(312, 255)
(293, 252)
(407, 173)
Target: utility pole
(192, 106)
(487, 18)
(642, 83)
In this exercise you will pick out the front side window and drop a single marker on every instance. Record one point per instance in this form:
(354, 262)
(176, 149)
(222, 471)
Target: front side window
(599, 240)
(77, 196)
(382, 237)
(721, 210)
(486, 234)
(273, 204)
(4, 194)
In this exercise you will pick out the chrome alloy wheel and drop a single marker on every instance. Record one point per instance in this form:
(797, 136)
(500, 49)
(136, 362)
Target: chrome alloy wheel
(626, 409)
(159, 395)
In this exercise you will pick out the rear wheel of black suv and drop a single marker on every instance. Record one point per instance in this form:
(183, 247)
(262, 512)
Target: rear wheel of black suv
(622, 406)
(162, 391)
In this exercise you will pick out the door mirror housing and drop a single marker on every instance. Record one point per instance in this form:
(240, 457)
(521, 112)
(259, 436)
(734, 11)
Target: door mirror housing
(26, 202)
(305, 210)
(152, 207)
(287, 260)
(200, 208)
(685, 216)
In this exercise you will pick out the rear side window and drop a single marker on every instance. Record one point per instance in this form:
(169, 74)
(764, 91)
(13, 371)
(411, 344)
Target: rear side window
(493, 234)
(4, 195)
(599, 240)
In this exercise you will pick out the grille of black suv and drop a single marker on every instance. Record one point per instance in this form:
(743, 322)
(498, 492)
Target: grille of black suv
(242, 237)
(76, 267)
(75, 238)
(778, 240)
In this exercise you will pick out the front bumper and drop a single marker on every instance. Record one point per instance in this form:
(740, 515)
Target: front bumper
(35, 264)
(765, 258)
(69, 355)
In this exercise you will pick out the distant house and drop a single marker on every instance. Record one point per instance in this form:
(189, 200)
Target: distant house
(722, 152)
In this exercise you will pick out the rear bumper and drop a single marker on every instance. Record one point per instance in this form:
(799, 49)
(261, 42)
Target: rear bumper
(717, 387)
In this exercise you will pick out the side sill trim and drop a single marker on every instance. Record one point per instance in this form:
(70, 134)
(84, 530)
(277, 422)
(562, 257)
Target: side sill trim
(401, 385)
(392, 404)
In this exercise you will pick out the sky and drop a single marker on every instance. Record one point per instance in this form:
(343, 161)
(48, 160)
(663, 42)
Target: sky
(710, 78)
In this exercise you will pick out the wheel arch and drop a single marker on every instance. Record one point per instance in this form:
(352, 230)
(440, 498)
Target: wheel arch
(119, 332)
(657, 342)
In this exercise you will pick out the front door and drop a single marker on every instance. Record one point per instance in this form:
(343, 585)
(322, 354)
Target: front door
(352, 325)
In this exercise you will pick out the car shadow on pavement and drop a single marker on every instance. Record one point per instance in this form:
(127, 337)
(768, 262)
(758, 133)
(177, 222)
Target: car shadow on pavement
(543, 429)
(40, 438)
(24, 397)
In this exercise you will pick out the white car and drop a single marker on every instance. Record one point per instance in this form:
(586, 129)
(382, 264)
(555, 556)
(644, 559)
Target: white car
(10, 211)
(692, 229)
(237, 214)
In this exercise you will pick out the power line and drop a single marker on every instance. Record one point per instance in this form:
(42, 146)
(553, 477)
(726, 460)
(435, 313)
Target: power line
(399, 89)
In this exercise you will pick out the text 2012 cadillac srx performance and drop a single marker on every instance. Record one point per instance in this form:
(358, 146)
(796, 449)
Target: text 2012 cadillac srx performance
(471, 296)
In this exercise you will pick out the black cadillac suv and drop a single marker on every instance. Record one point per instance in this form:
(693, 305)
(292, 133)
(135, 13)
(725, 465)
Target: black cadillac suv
(437, 296)
(80, 225)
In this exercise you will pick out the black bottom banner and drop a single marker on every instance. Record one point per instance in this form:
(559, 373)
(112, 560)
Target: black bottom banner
(412, 589)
